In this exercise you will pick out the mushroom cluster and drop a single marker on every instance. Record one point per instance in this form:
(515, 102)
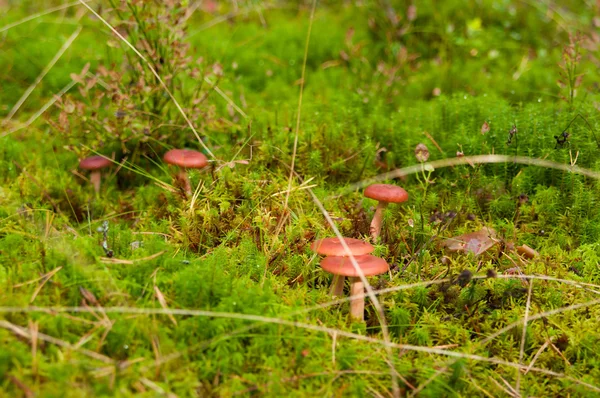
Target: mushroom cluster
(339, 264)
(183, 158)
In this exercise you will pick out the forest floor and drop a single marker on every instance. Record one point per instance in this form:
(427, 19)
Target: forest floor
(144, 289)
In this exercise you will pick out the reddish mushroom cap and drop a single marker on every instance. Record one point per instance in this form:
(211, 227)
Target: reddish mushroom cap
(94, 163)
(186, 158)
(386, 193)
(333, 247)
(370, 265)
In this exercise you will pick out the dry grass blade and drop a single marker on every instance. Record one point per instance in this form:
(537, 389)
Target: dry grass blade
(537, 354)
(226, 97)
(155, 73)
(156, 388)
(406, 382)
(49, 339)
(44, 72)
(163, 303)
(33, 332)
(507, 390)
(523, 336)
(21, 386)
(41, 111)
(299, 110)
(417, 390)
(477, 386)
(539, 316)
(306, 376)
(342, 300)
(45, 278)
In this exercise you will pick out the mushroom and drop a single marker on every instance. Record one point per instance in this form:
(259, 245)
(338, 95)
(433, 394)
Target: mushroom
(342, 266)
(185, 159)
(95, 164)
(384, 193)
(333, 247)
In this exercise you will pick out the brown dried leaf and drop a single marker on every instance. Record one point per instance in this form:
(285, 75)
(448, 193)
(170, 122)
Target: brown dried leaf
(474, 242)
(485, 128)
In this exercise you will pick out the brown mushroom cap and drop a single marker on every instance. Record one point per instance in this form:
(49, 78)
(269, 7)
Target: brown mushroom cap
(94, 163)
(370, 265)
(333, 247)
(386, 193)
(186, 158)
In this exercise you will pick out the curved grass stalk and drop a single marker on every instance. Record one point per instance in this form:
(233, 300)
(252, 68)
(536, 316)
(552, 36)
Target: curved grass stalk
(470, 160)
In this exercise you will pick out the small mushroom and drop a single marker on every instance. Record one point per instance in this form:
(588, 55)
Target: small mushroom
(185, 159)
(333, 247)
(384, 193)
(95, 164)
(342, 266)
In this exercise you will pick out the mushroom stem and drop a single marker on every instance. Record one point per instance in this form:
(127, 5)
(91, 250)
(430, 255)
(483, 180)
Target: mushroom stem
(337, 286)
(95, 179)
(184, 181)
(377, 221)
(357, 305)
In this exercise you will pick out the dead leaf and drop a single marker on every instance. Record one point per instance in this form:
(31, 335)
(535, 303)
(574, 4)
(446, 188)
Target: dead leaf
(474, 242)
(485, 128)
